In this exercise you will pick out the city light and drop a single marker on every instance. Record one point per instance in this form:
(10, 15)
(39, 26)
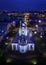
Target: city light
(14, 22)
(8, 60)
(2, 31)
(33, 61)
(6, 43)
(35, 32)
(7, 37)
(39, 21)
(36, 26)
(41, 36)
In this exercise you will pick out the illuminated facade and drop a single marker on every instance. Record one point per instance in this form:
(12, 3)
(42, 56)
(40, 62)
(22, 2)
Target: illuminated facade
(25, 42)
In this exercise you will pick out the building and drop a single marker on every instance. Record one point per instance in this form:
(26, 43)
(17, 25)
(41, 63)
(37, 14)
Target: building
(23, 40)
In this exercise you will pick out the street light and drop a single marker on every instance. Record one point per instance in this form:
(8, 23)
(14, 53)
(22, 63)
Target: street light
(34, 61)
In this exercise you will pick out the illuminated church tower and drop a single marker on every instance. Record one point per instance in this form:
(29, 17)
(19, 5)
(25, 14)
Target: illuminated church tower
(24, 42)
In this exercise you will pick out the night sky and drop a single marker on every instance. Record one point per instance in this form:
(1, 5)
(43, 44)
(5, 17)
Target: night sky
(23, 5)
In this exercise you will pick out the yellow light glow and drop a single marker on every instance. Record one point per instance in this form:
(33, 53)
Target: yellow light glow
(8, 60)
(6, 43)
(34, 61)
